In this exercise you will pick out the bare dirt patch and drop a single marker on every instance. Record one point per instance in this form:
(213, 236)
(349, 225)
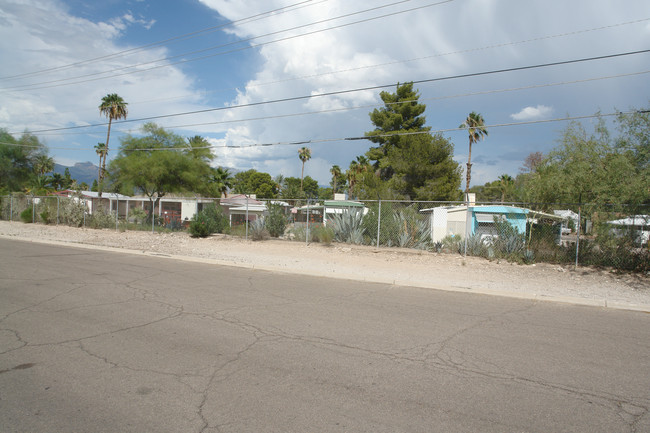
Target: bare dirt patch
(388, 265)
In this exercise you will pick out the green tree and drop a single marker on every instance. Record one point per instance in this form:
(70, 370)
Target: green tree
(424, 168)
(39, 185)
(57, 181)
(356, 171)
(67, 179)
(114, 108)
(304, 154)
(43, 164)
(338, 179)
(475, 126)
(402, 113)
(506, 186)
(159, 163)
(223, 180)
(255, 182)
(100, 149)
(589, 167)
(18, 160)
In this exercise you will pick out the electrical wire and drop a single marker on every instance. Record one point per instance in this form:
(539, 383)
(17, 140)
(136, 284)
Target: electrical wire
(185, 36)
(62, 82)
(358, 138)
(340, 92)
(369, 106)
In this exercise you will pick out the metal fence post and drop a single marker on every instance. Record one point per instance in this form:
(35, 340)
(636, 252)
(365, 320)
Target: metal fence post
(153, 217)
(85, 210)
(466, 225)
(246, 222)
(33, 209)
(307, 230)
(378, 223)
(117, 210)
(578, 239)
(57, 209)
(11, 207)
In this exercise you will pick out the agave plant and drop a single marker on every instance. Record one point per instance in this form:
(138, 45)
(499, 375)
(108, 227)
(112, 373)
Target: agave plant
(347, 227)
(414, 232)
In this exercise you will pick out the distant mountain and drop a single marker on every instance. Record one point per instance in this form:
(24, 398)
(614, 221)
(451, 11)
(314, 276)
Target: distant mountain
(81, 171)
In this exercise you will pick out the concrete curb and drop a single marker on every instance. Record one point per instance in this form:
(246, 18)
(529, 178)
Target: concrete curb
(602, 303)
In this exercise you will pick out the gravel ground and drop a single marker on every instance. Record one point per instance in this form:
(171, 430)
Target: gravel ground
(386, 265)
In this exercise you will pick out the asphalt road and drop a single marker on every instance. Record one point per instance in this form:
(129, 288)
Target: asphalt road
(95, 341)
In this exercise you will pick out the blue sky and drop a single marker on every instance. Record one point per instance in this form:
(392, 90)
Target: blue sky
(47, 82)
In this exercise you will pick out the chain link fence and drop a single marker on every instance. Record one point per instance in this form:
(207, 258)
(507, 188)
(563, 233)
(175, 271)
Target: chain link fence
(612, 236)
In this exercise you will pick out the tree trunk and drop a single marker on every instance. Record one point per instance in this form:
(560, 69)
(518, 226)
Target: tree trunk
(469, 170)
(302, 174)
(108, 135)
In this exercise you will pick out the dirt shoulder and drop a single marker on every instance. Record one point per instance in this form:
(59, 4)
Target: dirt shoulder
(386, 265)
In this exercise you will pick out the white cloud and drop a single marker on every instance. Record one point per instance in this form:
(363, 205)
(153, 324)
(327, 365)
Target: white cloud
(438, 41)
(533, 113)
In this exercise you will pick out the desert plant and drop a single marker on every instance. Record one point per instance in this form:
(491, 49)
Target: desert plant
(72, 211)
(258, 230)
(476, 246)
(101, 219)
(138, 215)
(219, 220)
(323, 234)
(276, 221)
(348, 227)
(414, 232)
(27, 216)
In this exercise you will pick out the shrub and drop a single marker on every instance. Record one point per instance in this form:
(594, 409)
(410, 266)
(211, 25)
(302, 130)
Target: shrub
(27, 216)
(215, 214)
(322, 234)
(275, 221)
(210, 220)
(258, 230)
(201, 226)
(46, 217)
(101, 219)
(72, 211)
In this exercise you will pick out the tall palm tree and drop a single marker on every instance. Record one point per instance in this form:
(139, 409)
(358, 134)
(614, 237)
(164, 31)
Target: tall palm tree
(475, 126)
(304, 153)
(505, 184)
(336, 172)
(113, 107)
(100, 149)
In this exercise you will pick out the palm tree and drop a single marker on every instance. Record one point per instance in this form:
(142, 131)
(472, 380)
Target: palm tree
(113, 107)
(336, 172)
(304, 153)
(100, 149)
(505, 184)
(57, 181)
(475, 126)
(43, 164)
(223, 180)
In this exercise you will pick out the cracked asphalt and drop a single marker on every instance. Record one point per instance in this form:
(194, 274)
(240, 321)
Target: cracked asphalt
(98, 341)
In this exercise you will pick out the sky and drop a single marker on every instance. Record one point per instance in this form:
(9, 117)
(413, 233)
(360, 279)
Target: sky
(249, 76)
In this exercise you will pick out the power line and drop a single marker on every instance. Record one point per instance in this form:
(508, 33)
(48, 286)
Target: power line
(340, 92)
(358, 138)
(61, 82)
(164, 41)
(367, 106)
(468, 50)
